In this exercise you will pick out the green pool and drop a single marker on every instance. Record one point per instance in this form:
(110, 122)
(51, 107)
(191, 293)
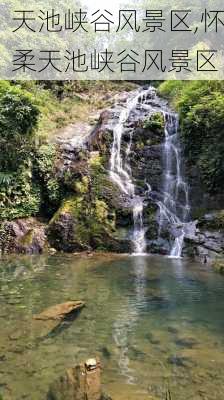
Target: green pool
(156, 323)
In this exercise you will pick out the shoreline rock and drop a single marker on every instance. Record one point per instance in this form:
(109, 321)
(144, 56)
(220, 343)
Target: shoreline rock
(23, 236)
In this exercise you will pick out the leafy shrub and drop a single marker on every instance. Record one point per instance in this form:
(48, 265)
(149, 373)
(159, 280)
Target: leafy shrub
(18, 114)
(20, 198)
(171, 89)
(44, 174)
(18, 120)
(154, 122)
(201, 108)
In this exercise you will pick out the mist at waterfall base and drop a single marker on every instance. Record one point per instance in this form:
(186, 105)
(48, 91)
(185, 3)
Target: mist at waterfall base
(173, 198)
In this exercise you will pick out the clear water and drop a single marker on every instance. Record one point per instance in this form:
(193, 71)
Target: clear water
(156, 323)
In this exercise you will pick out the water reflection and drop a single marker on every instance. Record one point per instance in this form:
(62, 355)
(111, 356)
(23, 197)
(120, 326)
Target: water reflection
(155, 322)
(124, 324)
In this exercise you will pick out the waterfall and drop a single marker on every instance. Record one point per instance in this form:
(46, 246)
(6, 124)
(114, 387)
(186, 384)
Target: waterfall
(139, 230)
(174, 207)
(173, 198)
(120, 170)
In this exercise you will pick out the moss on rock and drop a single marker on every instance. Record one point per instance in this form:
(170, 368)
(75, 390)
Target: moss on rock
(213, 221)
(218, 266)
(79, 225)
(22, 236)
(155, 122)
(87, 219)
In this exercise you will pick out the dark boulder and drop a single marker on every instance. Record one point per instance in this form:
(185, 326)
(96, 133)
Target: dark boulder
(22, 236)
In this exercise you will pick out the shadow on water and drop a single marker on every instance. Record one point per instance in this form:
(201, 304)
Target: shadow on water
(63, 326)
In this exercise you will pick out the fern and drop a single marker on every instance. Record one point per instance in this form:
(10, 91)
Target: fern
(5, 178)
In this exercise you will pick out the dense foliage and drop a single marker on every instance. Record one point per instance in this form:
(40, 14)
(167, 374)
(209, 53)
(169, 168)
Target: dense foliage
(31, 112)
(18, 120)
(30, 115)
(27, 179)
(201, 108)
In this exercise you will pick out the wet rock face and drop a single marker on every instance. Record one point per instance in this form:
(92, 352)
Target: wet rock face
(97, 215)
(201, 201)
(72, 162)
(86, 223)
(146, 135)
(206, 243)
(93, 207)
(146, 164)
(101, 137)
(65, 234)
(61, 234)
(24, 236)
(142, 140)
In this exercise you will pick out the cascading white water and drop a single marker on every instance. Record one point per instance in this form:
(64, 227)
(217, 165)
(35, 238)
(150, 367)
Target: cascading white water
(120, 170)
(139, 230)
(174, 207)
(173, 203)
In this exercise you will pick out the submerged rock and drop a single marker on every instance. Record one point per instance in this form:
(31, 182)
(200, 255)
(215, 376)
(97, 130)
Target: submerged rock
(173, 330)
(136, 354)
(48, 321)
(105, 352)
(186, 342)
(152, 339)
(59, 311)
(179, 361)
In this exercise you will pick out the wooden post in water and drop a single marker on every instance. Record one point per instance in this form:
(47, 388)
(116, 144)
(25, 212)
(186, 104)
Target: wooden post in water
(82, 382)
